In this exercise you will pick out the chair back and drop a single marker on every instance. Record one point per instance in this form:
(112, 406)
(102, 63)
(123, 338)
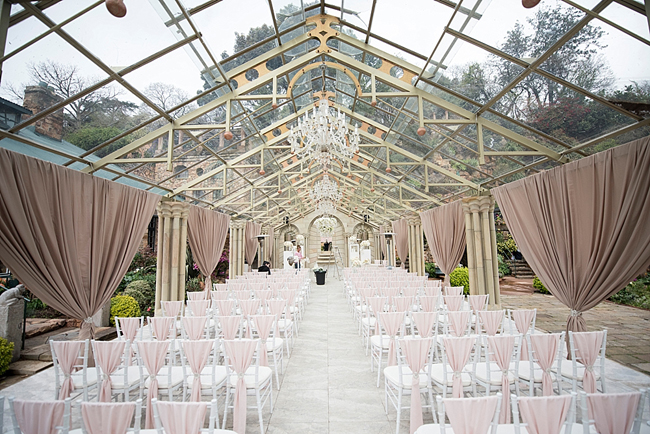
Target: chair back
(40, 417)
(454, 303)
(456, 354)
(69, 357)
(458, 323)
(588, 349)
(110, 417)
(490, 321)
(197, 307)
(544, 349)
(152, 354)
(612, 413)
(196, 295)
(543, 414)
(197, 354)
(172, 308)
(194, 327)
(454, 290)
(478, 302)
(184, 417)
(129, 328)
(225, 307)
(484, 413)
(239, 356)
(426, 323)
(429, 303)
(109, 356)
(162, 328)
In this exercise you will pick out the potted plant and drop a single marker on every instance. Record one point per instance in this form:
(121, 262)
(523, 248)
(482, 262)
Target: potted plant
(320, 275)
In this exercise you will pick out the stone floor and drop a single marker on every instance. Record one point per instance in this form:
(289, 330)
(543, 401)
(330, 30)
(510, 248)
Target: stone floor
(327, 386)
(628, 328)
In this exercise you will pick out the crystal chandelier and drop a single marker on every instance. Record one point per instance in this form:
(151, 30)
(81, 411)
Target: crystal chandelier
(325, 207)
(325, 189)
(322, 137)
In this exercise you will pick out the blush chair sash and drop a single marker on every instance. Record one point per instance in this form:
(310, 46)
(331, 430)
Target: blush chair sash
(416, 352)
(391, 322)
(377, 305)
(197, 353)
(129, 327)
(108, 356)
(546, 347)
(471, 415)
(502, 348)
(478, 302)
(458, 351)
(491, 320)
(39, 417)
(523, 319)
(424, 321)
(263, 325)
(587, 346)
(161, 327)
(240, 353)
(544, 414)
(230, 325)
(429, 303)
(194, 326)
(67, 353)
(454, 302)
(225, 306)
(153, 355)
(458, 321)
(172, 308)
(107, 418)
(613, 413)
(198, 307)
(182, 417)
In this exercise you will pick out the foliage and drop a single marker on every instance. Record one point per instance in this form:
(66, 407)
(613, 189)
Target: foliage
(193, 284)
(6, 352)
(504, 268)
(144, 294)
(539, 286)
(506, 245)
(143, 267)
(123, 306)
(88, 137)
(460, 277)
(636, 293)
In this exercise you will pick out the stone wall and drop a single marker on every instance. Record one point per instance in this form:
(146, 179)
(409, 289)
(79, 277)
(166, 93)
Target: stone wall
(37, 99)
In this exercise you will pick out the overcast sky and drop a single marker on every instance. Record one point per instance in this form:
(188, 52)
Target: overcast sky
(416, 24)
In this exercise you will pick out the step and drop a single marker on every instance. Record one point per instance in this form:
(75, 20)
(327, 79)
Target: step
(38, 326)
(28, 367)
(39, 348)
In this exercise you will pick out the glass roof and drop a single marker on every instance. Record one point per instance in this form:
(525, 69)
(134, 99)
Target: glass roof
(194, 99)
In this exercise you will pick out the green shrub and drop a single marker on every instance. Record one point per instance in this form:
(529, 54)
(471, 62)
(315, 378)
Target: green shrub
(504, 268)
(123, 306)
(636, 293)
(144, 294)
(539, 286)
(506, 245)
(193, 284)
(460, 277)
(6, 352)
(430, 268)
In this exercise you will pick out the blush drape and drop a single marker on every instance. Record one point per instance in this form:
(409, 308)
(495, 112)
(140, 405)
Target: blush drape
(481, 411)
(39, 417)
(182, 417)
(252, 230)
(67, 353)
(502, 348)
(401, 229)
(382, 240)
(587, 347)
(583, 227)
(545, 347)
(108, 356)
(107, 418)
(444, 228)
(153, 355)
(206, 233)
(240, 355)
(197, 353)
(458, 351)
(523, 319)
(613, 413)
(416, 352)
(544, 414)
(68, 236)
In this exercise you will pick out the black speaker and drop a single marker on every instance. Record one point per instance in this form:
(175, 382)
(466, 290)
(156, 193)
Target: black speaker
(366, 218)
(285, 219)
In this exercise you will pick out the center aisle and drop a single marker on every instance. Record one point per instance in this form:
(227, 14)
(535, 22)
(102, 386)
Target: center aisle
(328, 386)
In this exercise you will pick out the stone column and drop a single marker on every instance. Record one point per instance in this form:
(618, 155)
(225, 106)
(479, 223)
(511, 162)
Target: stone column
(236, 248)
(416, 246)
(481, 248)
(172, 248)
(376, 247)
(347, 236)
(278, 248)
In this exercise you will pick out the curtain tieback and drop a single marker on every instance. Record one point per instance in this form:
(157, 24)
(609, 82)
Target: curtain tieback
(152, 377)
(590, 368)
(240, 375)
(457, 374)
(416, 375)
(66, 375)
(89, 320)
(504, 372)
(197, 374)
(104, 377)
(547, 370)
(264, 341)
(575, 312)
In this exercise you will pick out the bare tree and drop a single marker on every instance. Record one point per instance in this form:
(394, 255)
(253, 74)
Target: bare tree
(168, 96)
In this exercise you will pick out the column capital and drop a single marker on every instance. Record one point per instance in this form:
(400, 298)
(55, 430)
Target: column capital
(478, 204)
(173, 209)
(237, 224)
(414, 220)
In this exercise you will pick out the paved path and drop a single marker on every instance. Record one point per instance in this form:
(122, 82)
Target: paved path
(628, 328)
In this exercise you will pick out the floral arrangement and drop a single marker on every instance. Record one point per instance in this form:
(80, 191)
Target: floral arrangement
(325, 225)
(352, 239)
(288, 245)
(366, 262)
(365, 244)
(300, 240)
(356, 263)
(318, 269)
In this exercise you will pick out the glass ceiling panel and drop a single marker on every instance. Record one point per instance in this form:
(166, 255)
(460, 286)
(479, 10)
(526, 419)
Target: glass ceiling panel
(628, 19)
(416, 27)
(418, 61)
(23, 32)
(357, 12)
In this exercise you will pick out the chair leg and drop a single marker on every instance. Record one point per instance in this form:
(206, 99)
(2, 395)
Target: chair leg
(225, 408)
(259, 408)
(399, 409)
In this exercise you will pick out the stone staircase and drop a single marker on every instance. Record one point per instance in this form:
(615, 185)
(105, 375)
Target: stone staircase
(521, 269)
(325, 258)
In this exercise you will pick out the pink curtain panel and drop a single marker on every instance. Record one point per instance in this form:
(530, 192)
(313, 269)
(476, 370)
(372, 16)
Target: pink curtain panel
(401, 230)
(240, 355)
(251, 231)
(206, 234)
(458, 351)
(613, 413)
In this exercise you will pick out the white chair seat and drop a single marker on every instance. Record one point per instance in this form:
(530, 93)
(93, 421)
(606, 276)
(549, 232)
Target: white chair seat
(431, 428)
(177, 378)
(567, 370)
(278, 344)
(369, 322)
(132, 377)
(263, 375)
(437, 375)
(377, 341)
(524, 372)
(495, 373)
(206, 377)
(91, 378)
(284, 324)
(391, 374)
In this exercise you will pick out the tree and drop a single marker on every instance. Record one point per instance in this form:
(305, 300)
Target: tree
(88, 138)
(167, 96)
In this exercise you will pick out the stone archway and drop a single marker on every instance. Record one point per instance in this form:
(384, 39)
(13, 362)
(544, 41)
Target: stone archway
(358, 231)
(280, 236)
(338, 240)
